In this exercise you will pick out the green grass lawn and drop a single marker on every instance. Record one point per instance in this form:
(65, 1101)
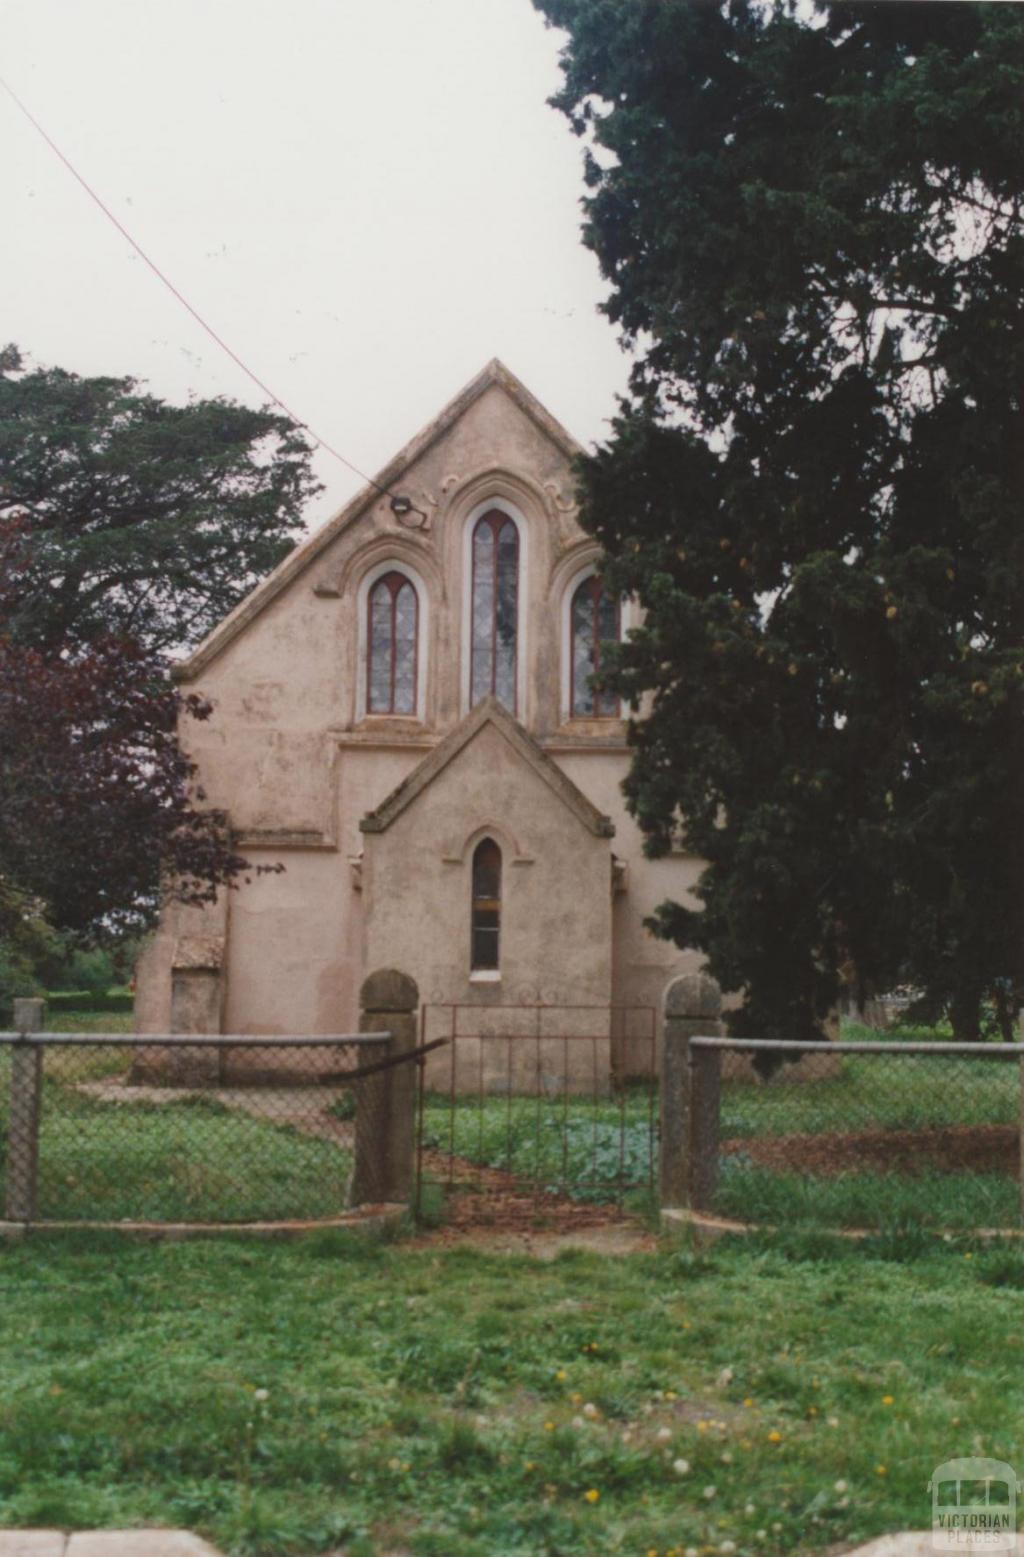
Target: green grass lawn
(89, 1022)
(331, 1395)
(880, 1092)
(191, 1161)
(958, 1201)
(194, 1160)
(873, 1093)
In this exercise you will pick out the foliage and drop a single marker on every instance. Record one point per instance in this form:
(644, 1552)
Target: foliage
(27, 940)
(588, 1149)
(143, 519)
(89, 969)
(408, 1392)
(85, 1000)
(96, 795)
(127, 529)
(811, 226)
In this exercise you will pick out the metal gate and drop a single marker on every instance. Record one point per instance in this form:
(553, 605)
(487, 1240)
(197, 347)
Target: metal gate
(537, 1111)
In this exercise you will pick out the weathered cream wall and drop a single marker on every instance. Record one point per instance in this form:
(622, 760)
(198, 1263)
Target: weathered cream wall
(555, 906)
(643, 964)
(293, 674)
(295, 960)
(556, 884)
(286, 754)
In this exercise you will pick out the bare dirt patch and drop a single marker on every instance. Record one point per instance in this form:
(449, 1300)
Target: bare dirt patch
(942, 1149)
(491, 1208)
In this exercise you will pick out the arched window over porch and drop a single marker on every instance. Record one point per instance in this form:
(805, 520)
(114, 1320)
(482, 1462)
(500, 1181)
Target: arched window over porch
(485, 938)
(494, 620)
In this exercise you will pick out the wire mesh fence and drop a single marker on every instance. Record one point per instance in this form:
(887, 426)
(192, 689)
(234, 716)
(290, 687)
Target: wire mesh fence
(858, 1135)
(523, 1110)
(526, 1106)
(98, 1127)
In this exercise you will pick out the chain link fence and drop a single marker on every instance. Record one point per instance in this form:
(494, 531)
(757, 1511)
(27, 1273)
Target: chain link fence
(856, 1134)
(109, 1128)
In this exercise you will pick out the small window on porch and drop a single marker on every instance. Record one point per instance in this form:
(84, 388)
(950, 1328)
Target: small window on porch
(486, 918)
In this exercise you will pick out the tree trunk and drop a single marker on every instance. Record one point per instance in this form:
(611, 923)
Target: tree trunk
(1005, 1014)
(965, 1015)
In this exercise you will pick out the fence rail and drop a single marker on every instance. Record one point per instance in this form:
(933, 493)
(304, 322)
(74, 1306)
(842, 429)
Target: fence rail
(192, 1041)
(991, 1051)
(201, 1128)
(848, 1134)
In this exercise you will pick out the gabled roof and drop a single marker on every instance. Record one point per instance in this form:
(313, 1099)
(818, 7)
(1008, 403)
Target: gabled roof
(307, 551)
(490, 711)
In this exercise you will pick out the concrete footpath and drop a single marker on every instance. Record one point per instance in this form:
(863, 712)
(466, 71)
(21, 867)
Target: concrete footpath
(104, 1543)
(182, 1543)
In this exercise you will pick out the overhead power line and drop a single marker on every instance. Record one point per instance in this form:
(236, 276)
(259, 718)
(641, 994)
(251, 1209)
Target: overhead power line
(400, 505)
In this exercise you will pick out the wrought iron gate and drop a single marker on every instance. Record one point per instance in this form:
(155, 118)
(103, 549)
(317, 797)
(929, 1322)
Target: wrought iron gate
(538, 1110)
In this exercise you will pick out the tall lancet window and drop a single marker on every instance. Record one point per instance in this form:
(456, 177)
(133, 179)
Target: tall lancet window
(495, 615)
(391, 639)
(594, 620)
(486, 919)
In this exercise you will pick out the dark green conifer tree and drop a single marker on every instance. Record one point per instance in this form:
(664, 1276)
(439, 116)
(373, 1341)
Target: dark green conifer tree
(811, 227)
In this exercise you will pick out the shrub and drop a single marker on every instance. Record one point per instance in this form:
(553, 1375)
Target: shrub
(86, 1000)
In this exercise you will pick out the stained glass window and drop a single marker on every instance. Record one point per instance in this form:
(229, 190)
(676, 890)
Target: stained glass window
(594, 618)
(495, 609)
(391, 643)
(486, 923)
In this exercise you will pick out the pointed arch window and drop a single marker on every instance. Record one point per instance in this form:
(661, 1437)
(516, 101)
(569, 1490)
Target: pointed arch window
(494, 621)
(594, 619)
(392, 632)
(486, 916)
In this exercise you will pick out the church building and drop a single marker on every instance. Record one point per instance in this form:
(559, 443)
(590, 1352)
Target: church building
(402, 718)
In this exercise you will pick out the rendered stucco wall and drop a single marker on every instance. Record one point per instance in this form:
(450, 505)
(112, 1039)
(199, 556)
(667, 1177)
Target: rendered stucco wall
(555, 892)
(290, 757)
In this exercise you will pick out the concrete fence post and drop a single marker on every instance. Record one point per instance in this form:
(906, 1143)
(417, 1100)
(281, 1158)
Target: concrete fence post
(1020, 1122)
(386, 1103)
(21, 1201)
(692, 1008)
(705, 1114)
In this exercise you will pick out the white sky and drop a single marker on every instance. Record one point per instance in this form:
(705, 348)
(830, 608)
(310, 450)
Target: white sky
(367, 199)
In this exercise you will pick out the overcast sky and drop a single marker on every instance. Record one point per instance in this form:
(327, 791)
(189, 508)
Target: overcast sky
(367, 198)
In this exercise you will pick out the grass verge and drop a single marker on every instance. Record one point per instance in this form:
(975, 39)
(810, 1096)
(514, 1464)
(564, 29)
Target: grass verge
(771, 1397)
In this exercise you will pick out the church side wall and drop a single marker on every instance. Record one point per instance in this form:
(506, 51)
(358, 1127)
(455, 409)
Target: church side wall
(643, 965)
(296, 948)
